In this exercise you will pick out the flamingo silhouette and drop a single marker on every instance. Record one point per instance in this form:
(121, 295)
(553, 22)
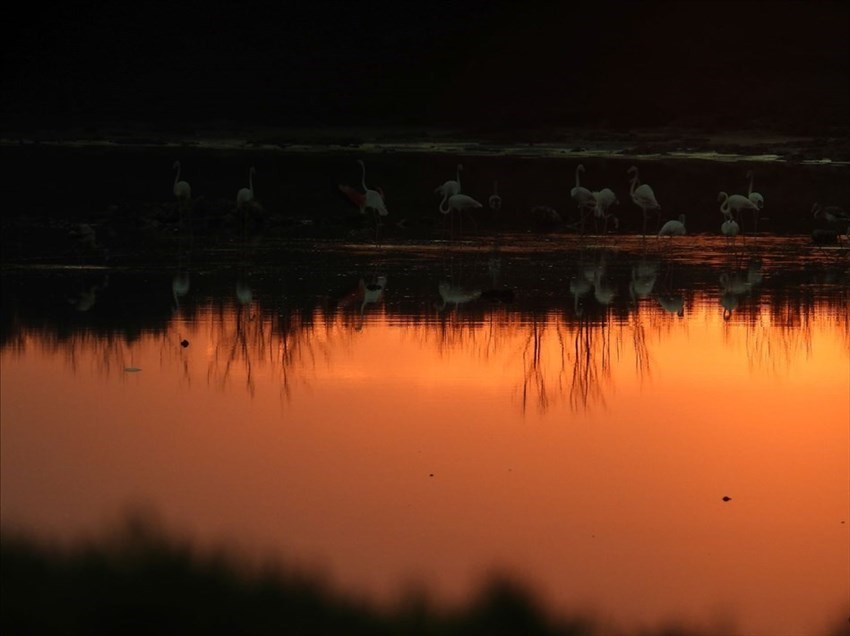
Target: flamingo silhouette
(583, 197)
(495, 201)
(459, 203)
(182, 190)
(369, 199)
(642, 195)
(757, 200)
(450, 187)
(734, 203)
(604, 199)
(245, 196)
(674, 227)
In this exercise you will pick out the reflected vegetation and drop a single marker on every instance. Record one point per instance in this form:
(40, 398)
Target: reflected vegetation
(392, 343)
(563, 318)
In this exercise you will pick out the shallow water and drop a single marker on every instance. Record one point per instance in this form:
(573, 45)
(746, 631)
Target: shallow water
(570, 409)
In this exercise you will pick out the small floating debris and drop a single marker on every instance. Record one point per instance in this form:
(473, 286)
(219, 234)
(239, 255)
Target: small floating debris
(727, 498)
(184, 343)
(131, 369)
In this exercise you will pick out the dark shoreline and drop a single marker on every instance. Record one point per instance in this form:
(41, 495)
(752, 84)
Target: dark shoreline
(830, 144)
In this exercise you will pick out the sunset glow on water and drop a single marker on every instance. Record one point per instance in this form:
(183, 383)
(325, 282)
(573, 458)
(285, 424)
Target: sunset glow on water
(588, 458)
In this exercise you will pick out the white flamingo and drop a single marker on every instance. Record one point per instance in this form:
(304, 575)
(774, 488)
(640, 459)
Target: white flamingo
(736, 203)
(583, 197)
(674, 227)
(459, 203)
(642, 195)
(730, 227)
(374, 198)
(182, 189)
(755, 197)
(603, 200)
(245, 196)
(495, 201)
(757, 200)
(451, 187)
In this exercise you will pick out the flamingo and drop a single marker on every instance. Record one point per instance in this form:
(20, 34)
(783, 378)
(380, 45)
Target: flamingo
(459, 203)
(495, 201)
(673, 228)
(642, 195)
(836, 217)
(604, 199)
(368, 199)
(245, 196)
(582, 196)
(757, 200)
(182, 189)
(450, 188)
(734, 203)
(755, 197)
(730, 227)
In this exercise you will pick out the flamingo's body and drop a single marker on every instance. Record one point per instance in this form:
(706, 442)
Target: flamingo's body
(642, 195)
(836, 217)
(452, 187)
(495, 201)
(730, 227)
(735, 203)
(245, 196)
(368, 199)
(182, 189)
(458, 202)
(583, 197)
(673, 228)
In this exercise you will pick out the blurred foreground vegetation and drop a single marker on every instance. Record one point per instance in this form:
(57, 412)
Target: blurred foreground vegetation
(139, 580)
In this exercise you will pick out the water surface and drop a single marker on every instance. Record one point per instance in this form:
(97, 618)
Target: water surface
(643, 430)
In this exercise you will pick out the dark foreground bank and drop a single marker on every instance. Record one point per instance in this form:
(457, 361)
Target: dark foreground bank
(141, 581)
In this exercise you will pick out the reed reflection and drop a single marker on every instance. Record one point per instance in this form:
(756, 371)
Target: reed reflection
(613, 312)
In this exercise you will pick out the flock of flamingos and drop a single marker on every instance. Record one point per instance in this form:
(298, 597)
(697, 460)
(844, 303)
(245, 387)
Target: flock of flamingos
(594, 205)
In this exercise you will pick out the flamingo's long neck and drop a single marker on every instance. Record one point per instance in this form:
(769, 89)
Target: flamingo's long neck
(750, 189)
(363, 176)
(634, 182)
(724, 206)
(447, 208)
(251, 180)
(578, 169)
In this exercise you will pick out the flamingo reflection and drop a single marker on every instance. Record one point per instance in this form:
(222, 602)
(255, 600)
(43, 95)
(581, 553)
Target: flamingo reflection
(456, 295)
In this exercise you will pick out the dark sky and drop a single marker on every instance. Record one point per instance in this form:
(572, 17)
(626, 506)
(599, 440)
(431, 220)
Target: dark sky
(490, 64)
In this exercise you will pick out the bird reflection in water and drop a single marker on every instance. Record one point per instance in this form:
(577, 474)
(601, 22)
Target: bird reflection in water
(87, 297)
(644, 276)
(456, 295)
(362, 296)
(733, 285)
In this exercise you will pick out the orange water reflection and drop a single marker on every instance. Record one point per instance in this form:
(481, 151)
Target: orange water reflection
(590, 458)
